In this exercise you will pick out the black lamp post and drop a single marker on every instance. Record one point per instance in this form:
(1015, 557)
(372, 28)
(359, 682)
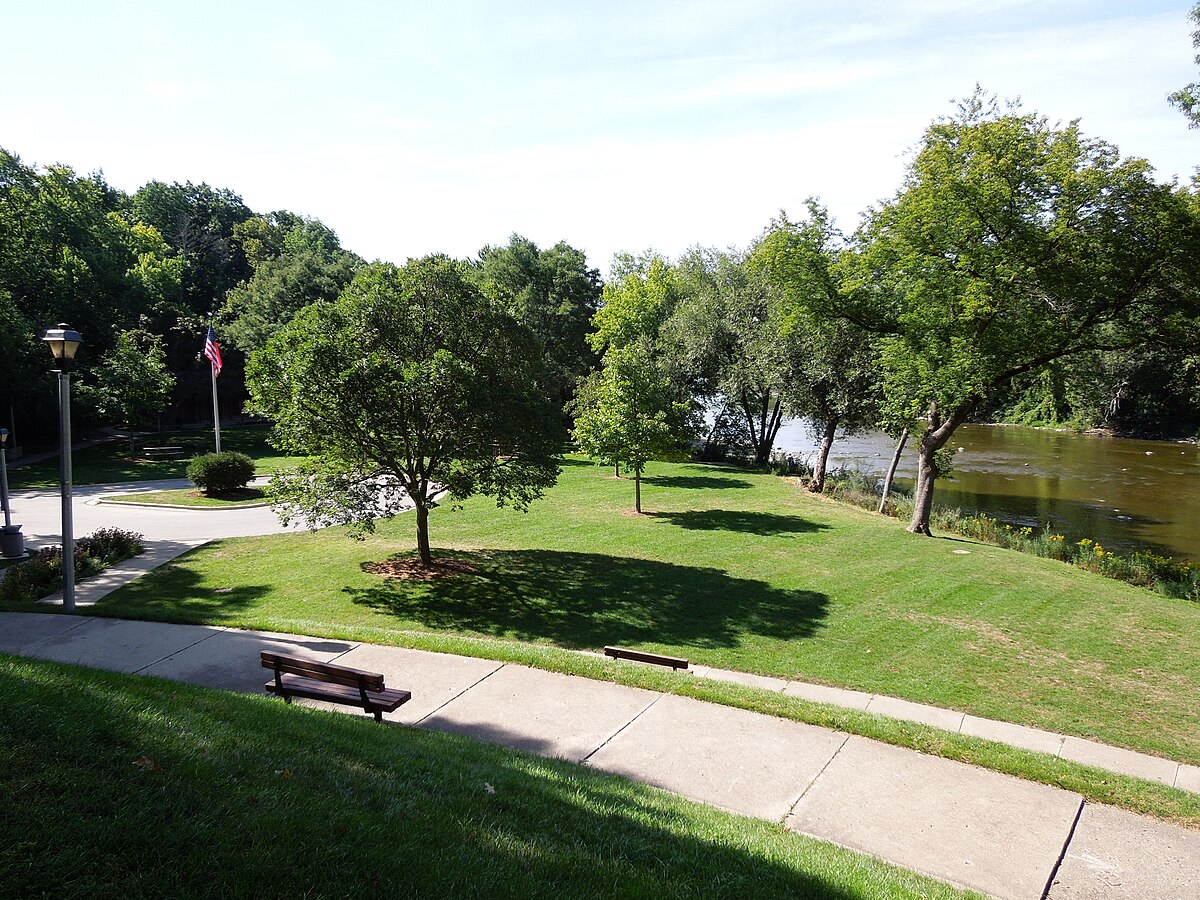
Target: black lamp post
(12, 542)
(64, 341)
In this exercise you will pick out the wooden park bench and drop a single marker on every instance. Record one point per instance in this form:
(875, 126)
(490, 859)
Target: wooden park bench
(163, 452)
(299, 677)
(675, 662)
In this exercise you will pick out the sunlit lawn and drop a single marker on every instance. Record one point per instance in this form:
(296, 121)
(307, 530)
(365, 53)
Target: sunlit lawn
(117, 786)
(741, 571)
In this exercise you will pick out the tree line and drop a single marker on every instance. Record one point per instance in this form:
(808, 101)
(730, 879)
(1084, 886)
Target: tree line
(1023, 269)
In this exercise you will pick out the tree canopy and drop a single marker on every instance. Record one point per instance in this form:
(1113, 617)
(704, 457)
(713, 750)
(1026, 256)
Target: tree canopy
(1013, 243)
(410, 382)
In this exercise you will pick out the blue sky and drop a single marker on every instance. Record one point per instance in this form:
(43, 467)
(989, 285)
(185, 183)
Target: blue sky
(413, 127)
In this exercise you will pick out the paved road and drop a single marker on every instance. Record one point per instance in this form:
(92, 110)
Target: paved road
(969, 826)
(40, 514)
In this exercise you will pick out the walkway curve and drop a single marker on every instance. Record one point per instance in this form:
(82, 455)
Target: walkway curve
(969, 826)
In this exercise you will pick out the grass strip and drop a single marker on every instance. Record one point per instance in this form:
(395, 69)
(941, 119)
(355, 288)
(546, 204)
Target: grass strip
(115, 785)
(231, 500)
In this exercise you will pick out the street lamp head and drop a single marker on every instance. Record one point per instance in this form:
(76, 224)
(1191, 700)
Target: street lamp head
(63, 341)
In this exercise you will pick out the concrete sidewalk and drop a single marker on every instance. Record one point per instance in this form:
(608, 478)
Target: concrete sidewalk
(969, 826)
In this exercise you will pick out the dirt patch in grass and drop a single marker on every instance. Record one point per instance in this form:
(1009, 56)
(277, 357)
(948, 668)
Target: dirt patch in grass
(412, 569)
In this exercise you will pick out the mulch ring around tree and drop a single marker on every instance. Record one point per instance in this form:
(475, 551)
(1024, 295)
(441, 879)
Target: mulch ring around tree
(412, 569)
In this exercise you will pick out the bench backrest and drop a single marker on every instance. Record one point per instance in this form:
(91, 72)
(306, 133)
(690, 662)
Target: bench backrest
(295, 665)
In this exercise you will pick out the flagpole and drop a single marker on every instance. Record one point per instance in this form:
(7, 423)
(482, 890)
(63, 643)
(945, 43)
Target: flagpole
(216, 409)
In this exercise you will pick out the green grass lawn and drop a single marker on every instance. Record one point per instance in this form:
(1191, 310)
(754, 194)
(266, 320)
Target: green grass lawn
(134, 787)
(230, 500)
(741, 571)
(112, 462)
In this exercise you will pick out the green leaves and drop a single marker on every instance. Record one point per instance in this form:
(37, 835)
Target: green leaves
(413, 380)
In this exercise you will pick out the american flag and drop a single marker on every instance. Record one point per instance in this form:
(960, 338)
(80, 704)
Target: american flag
(212, 351)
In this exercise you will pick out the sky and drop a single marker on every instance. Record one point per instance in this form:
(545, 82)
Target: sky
(412, 128)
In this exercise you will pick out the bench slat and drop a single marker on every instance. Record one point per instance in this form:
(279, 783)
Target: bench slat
(658, 659)
(310, 668)
(386, 700)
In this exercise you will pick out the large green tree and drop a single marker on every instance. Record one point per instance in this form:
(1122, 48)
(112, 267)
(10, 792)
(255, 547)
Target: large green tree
(1013, 243)
(303, 264)
(829, 365)
(131, 384)
(724, 338)
(411, 382)
(555, 293)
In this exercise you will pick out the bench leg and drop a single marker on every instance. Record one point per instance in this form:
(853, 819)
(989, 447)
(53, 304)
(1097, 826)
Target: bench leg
(379, 716)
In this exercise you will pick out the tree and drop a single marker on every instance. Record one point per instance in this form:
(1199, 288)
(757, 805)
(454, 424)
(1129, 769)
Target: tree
(1187, 99)
(308, 265)
(628, 416)
(829, 371)
(724, 337)
(556, 294)
(1012, 244)
(132, 384)
(411, 381)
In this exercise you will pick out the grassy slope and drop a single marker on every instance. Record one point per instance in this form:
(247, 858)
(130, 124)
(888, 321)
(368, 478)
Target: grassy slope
(741, 571)
(118, 786)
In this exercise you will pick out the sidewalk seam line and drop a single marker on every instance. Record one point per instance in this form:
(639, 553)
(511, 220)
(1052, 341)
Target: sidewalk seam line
(808, 787)
(215, 632)
(610, 738)
(459, 694)
(1063, 853)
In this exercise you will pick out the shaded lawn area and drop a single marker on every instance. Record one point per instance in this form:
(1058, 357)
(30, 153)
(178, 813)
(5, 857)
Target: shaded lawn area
(114, 785)
(765, 579)
(111, 463)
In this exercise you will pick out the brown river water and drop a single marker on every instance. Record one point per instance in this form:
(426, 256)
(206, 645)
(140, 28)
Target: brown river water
(1125, 494)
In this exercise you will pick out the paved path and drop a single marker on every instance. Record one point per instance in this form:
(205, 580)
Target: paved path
(970, 826)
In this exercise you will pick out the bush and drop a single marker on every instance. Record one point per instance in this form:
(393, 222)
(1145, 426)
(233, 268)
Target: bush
(110, 545)
(42, 574)
(220, 473)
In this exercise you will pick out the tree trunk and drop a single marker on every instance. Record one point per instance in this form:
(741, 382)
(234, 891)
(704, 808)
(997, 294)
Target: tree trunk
(923, 500)
(637, 489)
(763, 427)
(423, 534)
(891, 472)
(617, 469)
(934, 439)
(818, 482)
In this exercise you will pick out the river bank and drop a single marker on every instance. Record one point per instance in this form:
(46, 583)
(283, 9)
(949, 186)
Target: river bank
(1128, 494)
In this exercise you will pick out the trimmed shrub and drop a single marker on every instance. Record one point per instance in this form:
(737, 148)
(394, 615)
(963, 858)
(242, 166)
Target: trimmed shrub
(110, 545)
(220, 473)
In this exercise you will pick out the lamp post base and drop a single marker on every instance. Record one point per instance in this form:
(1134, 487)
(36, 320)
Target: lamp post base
(12, 542)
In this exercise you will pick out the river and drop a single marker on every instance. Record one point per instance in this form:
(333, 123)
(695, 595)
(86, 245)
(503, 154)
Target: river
(1125, 494)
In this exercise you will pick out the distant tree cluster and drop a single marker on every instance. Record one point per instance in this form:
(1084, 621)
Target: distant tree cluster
(1022, 270)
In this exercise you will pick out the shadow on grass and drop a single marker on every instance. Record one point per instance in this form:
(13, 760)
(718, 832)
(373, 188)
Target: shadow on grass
(177, 803)
(766, 524)
(706, 482)
(175, 595)
(587, 600)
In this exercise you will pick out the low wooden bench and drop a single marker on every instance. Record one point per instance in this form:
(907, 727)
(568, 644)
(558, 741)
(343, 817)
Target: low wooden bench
(299, 677)
(163, 452)
(675, 662)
